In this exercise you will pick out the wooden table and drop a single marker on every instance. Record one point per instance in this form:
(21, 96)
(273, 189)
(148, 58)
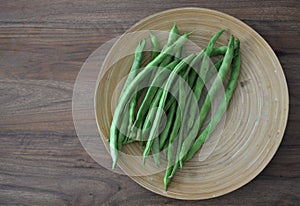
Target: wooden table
(43, 45)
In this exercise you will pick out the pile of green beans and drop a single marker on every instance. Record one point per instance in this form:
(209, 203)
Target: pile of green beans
(139, 113)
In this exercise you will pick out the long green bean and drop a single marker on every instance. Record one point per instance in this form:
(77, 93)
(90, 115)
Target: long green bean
(164, 135)
(183, 94)
(154, 129)
(223, 104)
(144, 107)
(123, 100)
(138, 56)
(166, 131)
(198, 88)
(207, 102)
(137, 134)
(173, 35)
(155, 46)
(170, 156)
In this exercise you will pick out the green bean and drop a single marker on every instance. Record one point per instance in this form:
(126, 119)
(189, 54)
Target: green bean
(219, 51)
(144, 107)
(169, 164)
(155, 46)
(165, 63)
(223, 104)
(155, 151)
(198, 88)
(182, 100)
(173, 35)
(189, 104)
(113, 144)
(176, 125)
(208, 51)
(137, 134)
(171, 169)
(194, 74)
(164, 135)
(214, 70)
(152, 91)
(124, 98)
(134, 69)
(170, 100)
(183, 108)
(172, 132)
(117, 114)
(199, 83)
(157, 95)
(217, 67)
(170, 50)
(173, 135)
(165, 132)
(145, 130)
(192, 78)
(175, 128)
(207, 102)
(154, 54)
(153, 132)
(136, 65)
(138, 55)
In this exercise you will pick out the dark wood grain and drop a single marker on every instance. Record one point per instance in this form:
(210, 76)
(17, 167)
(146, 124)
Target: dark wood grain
(43, 45)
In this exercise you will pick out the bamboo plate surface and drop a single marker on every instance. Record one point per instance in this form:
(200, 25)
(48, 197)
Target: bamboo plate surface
(255, 121)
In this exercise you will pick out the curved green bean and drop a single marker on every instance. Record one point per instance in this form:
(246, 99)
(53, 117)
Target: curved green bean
(219, 51)
(153, 131)
(173, 35)
(166, 131)
(217, 83)
(155, 46)
(123, 100)
(169, 169)
(136, 134)
(164, 135)
(236, 63)
(183, 108)
(144, 107)
(138, 56)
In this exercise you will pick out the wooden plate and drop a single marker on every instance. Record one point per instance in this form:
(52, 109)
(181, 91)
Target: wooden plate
(256, 118)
